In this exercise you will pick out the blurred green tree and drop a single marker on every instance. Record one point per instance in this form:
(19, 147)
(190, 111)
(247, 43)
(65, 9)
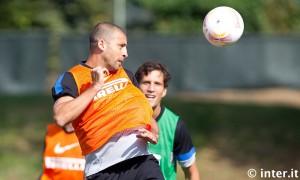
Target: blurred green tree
(53, 15)
(262, 16)
(170, 16)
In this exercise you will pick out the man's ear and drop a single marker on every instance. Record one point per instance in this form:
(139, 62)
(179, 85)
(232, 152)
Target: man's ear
(165, 92)
(101, 44)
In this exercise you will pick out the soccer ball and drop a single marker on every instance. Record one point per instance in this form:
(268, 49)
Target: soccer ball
(223, 26)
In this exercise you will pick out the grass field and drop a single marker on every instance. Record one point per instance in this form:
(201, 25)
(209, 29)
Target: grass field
(230, 138)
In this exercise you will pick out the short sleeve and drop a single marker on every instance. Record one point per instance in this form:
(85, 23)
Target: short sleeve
(184, 149)
(64, 86)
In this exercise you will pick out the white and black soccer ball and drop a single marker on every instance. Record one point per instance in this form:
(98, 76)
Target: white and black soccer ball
(223, 26)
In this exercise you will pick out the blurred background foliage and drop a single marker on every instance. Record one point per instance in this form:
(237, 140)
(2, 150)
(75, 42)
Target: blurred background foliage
(167, 16)
(53, 15)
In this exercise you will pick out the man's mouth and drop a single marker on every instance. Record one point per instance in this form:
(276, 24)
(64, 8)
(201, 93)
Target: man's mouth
(149, 96)
(120, 61)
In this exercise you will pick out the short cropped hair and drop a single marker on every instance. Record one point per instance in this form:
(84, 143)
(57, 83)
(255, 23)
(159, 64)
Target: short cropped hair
(150, 66)
(103, 30)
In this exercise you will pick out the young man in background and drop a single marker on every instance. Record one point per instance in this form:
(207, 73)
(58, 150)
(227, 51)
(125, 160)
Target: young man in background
(174, 142)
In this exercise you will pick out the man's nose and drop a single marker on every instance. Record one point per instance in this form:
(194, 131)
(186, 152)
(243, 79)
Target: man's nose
(151, 88)
(125, 53)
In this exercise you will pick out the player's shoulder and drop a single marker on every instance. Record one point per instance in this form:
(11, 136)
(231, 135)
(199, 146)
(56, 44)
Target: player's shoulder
(65, 75)
(80, 67)
(170, 112)
(129, 72)
(131, 77)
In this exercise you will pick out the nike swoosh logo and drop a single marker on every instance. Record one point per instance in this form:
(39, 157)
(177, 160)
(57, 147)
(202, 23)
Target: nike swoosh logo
(58, 149)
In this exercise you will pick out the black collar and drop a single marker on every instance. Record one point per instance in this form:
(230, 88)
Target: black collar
(162, 110)
(83, 63)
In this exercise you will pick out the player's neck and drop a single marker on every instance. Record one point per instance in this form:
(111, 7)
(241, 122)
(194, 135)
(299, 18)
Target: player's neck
(94, 61)
(156, 111)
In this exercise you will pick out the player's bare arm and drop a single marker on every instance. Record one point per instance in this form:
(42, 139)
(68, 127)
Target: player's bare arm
(191, 172)
(67, 108)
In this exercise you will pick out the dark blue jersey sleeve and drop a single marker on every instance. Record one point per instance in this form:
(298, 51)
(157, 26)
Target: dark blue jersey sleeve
(184, 149)
(64, 86)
